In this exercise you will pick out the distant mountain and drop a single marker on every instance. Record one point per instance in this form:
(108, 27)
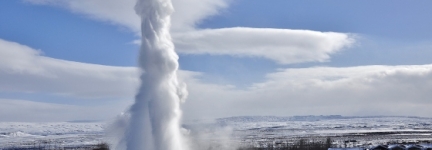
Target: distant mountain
(278, 118)
(246, 119)
(84, 121)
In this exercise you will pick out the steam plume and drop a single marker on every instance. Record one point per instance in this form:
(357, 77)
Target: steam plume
(154, 122)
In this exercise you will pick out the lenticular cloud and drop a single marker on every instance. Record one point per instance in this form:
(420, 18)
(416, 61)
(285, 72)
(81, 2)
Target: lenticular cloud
(154, 121)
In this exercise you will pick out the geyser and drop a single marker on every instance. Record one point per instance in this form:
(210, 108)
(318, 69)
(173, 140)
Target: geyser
(154, 122)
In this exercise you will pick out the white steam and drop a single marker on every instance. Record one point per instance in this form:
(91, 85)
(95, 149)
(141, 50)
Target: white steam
(154, 118)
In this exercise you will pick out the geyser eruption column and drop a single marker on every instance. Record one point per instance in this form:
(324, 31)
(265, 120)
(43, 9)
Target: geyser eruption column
(155, 117)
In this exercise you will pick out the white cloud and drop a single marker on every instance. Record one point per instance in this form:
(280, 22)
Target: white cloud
(281, 45)
(366, 90)
(23, 69)
(26, 70)
(189, 13)
(121, 12)
(14, 110)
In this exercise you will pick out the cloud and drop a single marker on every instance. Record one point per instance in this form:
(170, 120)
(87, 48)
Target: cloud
(364, 90)
(112, 11)
(15, 110)
(23, 69)
(281, 45)
(26, 70)
(121, 12)
(186, 19)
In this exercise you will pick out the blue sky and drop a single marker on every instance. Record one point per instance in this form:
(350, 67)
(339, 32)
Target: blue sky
(64, 35)
(390, 19)
(393, 34)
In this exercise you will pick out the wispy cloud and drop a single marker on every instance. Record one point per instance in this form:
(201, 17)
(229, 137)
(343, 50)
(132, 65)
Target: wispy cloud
(122, 12)
(113, 11)
(281, 45)
(23, 69)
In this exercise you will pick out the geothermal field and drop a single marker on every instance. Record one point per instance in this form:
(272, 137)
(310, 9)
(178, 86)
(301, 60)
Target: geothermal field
(233, 132)
(287, 71)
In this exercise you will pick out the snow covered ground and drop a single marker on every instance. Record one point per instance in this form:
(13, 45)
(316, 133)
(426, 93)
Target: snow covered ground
(363, 130)
(21, 134)
(243, 130)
